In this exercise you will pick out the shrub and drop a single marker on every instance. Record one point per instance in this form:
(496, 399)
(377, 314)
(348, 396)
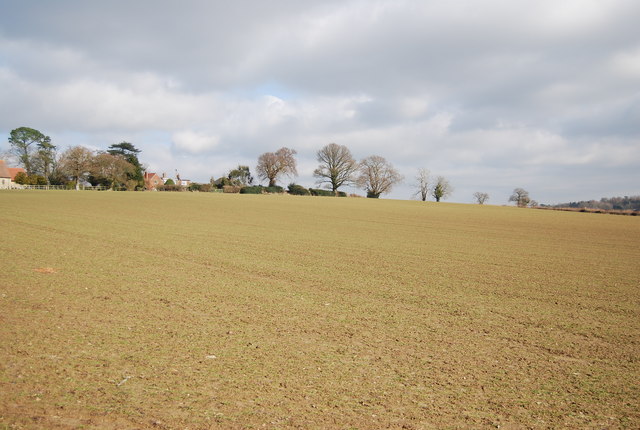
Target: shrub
(221, 182)
(21, 178)
(342, 194)
(321, 192)
(230, 189)
(131, 184)
(205, 188)
(276, 189)
(255, 189)
(167, 187)
(298, 190)
(194, 186)
(169, 181)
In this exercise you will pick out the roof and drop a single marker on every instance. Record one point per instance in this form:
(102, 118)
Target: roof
(13, 171)
(4, 170)
(150, 175)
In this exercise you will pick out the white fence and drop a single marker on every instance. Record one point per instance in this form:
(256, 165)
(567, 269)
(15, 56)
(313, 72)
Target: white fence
(57, 187)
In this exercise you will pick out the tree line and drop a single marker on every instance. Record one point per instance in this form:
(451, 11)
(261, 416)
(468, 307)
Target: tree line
(119, 168)
(605, 203)
(337, 168)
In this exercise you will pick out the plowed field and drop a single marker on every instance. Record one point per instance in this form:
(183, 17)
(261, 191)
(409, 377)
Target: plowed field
(194, 310)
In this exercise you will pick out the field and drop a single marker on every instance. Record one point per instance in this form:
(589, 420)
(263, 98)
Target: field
(188, 310)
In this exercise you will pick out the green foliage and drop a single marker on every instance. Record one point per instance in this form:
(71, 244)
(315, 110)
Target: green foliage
(24, 141)
(170, 187)
(194, 186)
(256, 189)
(259, 189)
(372, 195)
(442, 189)
(102, 181)
(341, 194)
(38, 180)
(240, 176)
(297, 190)
(130, 153)
(276, 189)
(21, 178)
(24, 179)
(170, 182)
(222, 181)
(321, 192)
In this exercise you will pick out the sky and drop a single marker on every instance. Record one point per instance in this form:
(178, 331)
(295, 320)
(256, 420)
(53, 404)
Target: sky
(491, 94)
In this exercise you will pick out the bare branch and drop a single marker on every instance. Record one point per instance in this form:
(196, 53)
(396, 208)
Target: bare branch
(377, 176)
(273, 165)
(423, 184)
(337, 166)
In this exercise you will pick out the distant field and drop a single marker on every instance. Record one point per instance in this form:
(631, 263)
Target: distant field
(187, 310)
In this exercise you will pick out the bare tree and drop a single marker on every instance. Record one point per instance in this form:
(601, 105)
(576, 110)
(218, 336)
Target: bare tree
(76, 162)
(481, 198)
(423, 184)
(377, 176)
(114, 169)
(272, 165)
(337, 166)
(442, 189)
(521, 197)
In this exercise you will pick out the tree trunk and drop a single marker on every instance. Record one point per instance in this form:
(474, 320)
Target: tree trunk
(272, 182)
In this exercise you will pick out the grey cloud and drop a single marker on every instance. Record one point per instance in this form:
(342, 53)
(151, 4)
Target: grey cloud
(465, 88)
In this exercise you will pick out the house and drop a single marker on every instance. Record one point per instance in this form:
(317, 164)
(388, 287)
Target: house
(182, 182)
(13, 171)
(152, 180)
(177, 181)
(5, 176)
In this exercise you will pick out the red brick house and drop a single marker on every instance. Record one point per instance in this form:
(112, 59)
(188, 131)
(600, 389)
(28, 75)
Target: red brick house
(152, 180)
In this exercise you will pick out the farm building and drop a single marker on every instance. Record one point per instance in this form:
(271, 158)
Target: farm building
(5, 176)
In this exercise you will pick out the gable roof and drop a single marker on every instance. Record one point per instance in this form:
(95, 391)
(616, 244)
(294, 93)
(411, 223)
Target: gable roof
(4, 171)
(13, 171)
(149, 175)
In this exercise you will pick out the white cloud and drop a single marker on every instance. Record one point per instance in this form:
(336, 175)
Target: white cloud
(194, 142)
(494, 89)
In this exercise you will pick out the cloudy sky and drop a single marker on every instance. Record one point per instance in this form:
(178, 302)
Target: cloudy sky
(491, 94)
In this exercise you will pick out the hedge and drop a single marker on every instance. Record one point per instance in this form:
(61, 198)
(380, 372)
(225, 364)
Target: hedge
(256, 189)
(298, 190)
(321, 192)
